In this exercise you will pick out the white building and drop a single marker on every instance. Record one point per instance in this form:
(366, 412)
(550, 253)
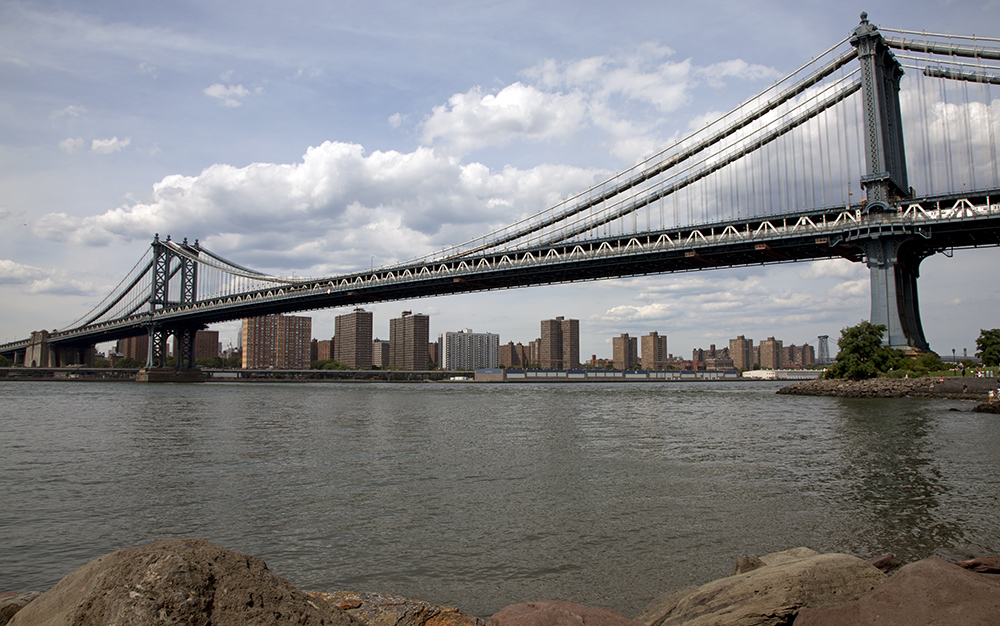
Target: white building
(468, 350)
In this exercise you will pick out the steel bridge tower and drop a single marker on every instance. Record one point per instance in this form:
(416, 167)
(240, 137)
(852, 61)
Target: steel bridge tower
(164, 269)
(892, 254)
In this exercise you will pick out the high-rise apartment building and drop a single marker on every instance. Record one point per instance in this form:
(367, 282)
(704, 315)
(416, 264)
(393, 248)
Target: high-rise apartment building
(324, 350)
(559, 345)
(408, 339)
(276, 341)
(514, 356)
(741, 352)
(770, 354)
(352, 339)
(380, 353)
(654, 352)
(135, 348)
(625, 351)
(467, 350)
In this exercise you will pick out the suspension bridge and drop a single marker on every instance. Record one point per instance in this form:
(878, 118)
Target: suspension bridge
(814, 167)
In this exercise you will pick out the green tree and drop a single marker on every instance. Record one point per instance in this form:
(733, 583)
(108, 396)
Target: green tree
(5, 362)
(988, 346)
(862, 354)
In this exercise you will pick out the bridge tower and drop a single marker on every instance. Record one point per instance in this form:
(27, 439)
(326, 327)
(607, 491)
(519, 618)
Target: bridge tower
(892, 256)
(164, 269)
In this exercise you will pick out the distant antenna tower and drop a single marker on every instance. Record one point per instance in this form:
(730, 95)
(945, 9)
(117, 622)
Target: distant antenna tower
(824, 349)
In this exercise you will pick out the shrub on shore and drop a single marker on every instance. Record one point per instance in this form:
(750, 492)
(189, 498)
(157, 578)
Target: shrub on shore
(862, 354)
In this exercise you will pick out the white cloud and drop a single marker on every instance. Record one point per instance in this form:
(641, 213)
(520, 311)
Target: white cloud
(108, 146)
(337, 206)
(228, 95)
(12, 273)
(475, 119)
(833, 268)
(72, 110)
(396, 120)
(71, 144)
(35, 280)
(623, 97)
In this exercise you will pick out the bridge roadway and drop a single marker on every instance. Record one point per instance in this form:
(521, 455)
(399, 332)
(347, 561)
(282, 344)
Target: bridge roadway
(929, 225)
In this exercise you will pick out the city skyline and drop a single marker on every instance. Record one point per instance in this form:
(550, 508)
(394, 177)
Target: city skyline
(372, 133)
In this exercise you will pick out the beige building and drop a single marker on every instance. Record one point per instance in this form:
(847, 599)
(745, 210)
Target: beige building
(559, 345)
(352, 339)
(276, 341)
(654, 352)
(380, 353)
(625, 351)
(770, 354)
(408, 341)
(741, 352)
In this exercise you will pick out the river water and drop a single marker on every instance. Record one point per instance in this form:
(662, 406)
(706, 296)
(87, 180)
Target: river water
(479, 496)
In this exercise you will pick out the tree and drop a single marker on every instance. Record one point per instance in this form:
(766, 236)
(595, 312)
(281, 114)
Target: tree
(862, 354)
(5, 362)
(988, 346)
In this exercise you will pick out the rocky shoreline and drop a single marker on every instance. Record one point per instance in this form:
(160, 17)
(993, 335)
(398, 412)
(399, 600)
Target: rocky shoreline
(954, 387)
(193, 581)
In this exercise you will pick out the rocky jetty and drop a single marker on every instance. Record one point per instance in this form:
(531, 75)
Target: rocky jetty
(192, 581)
(953, 387)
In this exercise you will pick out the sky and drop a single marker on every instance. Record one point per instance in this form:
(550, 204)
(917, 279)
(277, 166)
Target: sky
(312, 138)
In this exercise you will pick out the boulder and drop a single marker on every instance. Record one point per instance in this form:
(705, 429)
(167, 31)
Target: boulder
(377, 609)
(771, 595)
(11, 603)
(886, 562)
(930, 591)
(982, 565)
(181, 581)
(554, 613)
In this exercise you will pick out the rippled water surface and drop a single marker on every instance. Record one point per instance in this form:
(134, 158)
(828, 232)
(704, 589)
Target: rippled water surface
(479, 496)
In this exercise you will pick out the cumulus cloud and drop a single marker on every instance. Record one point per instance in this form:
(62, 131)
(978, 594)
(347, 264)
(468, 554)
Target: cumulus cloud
(338, 203)
(229, 95)
(108, 146)
(623, 97)
(476, 119)
(36, 280)
(72, 110)
(71, 145)
(833, 268)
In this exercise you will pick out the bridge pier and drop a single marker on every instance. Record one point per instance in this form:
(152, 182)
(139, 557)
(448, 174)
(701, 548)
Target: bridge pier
(893, 263)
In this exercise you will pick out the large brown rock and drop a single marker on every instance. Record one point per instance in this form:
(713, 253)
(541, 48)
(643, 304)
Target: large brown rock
(771, 595)
(11, 603)
(379, 609)
(182, 581)
(554, 613)
(930, 592)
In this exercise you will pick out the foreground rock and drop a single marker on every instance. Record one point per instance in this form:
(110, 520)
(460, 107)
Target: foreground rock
(377, 609)
(180, 581)
(954, 387)
(11, 603)
(552, 613)
(770, 595)
(930, 591)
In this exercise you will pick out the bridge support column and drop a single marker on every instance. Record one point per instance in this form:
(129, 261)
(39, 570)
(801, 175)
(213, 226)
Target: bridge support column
(184, 348)
(39, 353)
(156, 355)
(894, 267)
